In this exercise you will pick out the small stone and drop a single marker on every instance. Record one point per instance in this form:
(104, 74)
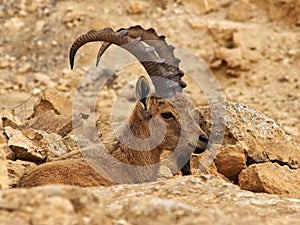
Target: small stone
(4, 64)
(211, 5)
(26, 67)
(36, 91)
(23, 13)
(54, 43)
(230, 162)
(137, 7)
(292, 52)
(240, 11)
(14, 24)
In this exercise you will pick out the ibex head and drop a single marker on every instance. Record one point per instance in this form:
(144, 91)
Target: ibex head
(176, 114)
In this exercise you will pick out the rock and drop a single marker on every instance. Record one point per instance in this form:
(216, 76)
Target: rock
(16, 169)
(14, 24)
(38, 146)
(52, 205)
(206, 6)
(25, 68)
(55, 210)
(26, 144)
(234, 60)
(231, 161)
(51, 122)
(4, 64)
(41, 79)
(3, 164)
(183, 200)
(252, 138)
(271, 178)
(9, 119)
(281, 10)
(162, 3)
(137, 7)
(51, 100)
(240, 11)
(72, 18)
(164, 173)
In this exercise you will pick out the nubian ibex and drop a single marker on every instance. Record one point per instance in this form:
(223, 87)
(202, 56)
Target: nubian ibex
(165, 114)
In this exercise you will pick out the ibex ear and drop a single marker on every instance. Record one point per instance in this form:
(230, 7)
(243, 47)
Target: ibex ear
(143, 91)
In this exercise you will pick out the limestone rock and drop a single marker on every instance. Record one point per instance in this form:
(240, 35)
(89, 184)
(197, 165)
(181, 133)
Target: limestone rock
(184, 200)
(281, 10)
(137, 7)
(51, 122)
(36, 145)
(51, 100)
(16, 169)
(206, 6)
(8, 119)
(271, 178)
(52, 205)
(3, 168)
(230, 162)
(240, 11)
(234, 60)
(26, 144)
(252, 138)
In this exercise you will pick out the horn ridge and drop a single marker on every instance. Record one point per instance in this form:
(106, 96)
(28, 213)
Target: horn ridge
(157, 57)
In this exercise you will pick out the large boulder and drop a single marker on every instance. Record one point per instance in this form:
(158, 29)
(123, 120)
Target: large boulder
(183, 200)
(251, 138)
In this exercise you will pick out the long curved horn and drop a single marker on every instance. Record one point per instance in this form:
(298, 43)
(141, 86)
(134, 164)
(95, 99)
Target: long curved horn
(156, 66)
(149, 36)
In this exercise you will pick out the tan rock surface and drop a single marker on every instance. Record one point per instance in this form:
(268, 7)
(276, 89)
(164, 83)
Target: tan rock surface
(271, 178)
(16, 169)
(3, 163)
(27, 144)
(51, 100)
(251, 140)
(189, 200)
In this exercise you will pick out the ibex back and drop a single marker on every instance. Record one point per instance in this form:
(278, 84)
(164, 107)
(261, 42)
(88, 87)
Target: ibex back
(162, 119)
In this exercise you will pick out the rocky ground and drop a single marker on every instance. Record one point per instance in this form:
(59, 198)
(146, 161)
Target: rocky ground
(253, 49)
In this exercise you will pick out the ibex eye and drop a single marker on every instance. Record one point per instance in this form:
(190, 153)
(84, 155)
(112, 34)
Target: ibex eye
(167, 115)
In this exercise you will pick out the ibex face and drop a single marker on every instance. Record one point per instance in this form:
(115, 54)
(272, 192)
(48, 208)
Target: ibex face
(176, 115)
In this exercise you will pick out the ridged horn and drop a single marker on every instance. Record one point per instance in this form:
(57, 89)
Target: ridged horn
(161, 65)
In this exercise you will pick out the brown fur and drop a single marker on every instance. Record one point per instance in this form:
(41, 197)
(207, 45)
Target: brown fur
(144, 164)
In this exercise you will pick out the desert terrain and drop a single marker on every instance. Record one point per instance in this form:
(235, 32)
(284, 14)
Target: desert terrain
(253, 50)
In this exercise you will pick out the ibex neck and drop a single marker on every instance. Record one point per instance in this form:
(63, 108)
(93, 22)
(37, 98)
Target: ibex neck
(135, 148)
(139, 123)
(143, 158)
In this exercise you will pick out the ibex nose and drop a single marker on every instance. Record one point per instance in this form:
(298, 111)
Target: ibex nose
(203, 138)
